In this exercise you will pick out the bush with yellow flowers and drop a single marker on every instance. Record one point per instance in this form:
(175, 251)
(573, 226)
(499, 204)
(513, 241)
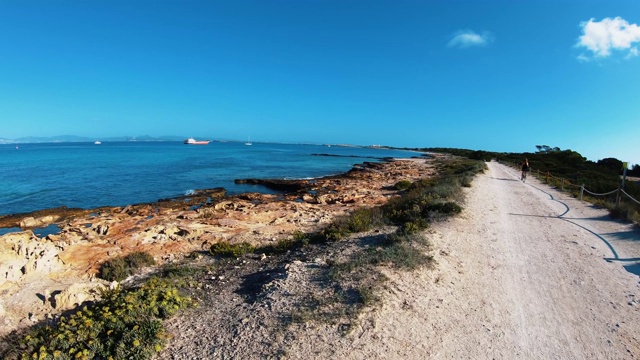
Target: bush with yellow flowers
(125, 324)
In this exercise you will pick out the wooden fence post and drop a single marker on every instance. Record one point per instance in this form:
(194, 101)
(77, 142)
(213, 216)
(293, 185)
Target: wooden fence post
(581, 191)
(562, 186)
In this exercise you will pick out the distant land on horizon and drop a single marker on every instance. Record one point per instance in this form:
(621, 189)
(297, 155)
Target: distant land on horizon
(75, 138)
(142, 138)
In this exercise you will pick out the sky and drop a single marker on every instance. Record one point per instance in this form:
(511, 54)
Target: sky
(492, 75)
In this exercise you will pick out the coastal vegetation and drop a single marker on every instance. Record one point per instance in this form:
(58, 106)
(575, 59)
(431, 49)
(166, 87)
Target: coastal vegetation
(125, 324)
(357, 276)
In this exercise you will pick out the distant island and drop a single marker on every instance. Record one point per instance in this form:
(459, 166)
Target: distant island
(75, 138)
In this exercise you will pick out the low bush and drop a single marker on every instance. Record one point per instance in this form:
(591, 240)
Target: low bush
(125, 324)
(139, 259)
(412, 227)
(119, 268)
(176, 271)
(403, 185)
(298, 240)
(446, 208)
(114, 269)
(334, 232)
(364, 220)
(225, 249)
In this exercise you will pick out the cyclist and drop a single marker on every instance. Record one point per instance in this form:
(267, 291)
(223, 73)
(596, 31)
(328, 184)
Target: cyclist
(525, 169)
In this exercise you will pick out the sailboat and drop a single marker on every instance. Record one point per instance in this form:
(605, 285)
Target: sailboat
(248, 143)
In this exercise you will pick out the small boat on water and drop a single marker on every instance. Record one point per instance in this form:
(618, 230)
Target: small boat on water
(248, 143)
(97, 142)
(192, 141)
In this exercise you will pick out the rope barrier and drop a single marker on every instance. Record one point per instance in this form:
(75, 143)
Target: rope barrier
(605, 194)
(566, 182)
(629, 196)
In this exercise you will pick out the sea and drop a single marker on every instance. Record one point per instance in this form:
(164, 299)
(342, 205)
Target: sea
(87, 175)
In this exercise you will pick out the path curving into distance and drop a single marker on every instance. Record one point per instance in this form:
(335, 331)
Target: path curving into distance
(525, 272)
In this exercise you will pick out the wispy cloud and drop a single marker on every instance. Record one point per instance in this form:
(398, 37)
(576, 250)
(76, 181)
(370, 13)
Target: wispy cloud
(600, 37)
(468, 38)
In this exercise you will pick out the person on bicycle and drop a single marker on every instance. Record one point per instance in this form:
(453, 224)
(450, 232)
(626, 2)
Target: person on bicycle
(525, 169)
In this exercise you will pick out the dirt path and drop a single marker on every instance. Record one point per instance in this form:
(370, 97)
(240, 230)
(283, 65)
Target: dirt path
(521, 274)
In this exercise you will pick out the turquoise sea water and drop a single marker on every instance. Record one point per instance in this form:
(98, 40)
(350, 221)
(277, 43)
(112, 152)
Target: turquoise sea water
(85, 175)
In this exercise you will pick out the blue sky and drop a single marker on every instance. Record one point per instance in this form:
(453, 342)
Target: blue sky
(493, 75)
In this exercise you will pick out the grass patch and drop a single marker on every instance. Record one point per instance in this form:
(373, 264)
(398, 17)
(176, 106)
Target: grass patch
(624, 211)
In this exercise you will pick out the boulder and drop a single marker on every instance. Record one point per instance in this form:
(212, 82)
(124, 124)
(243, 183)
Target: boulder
(309, 198)
(77, 294)
(28, 222)
(31, 222)
(101, 229)
(24, 254)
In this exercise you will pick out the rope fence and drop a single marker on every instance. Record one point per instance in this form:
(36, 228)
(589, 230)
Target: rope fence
(629, 196)
(594, 194)
(562, 182)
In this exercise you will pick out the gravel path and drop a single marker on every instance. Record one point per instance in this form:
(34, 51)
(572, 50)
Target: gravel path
(525, 272)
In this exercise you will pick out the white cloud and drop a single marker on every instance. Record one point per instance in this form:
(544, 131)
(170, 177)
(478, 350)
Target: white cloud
(468, 38)
(600, 37)
(582, 58)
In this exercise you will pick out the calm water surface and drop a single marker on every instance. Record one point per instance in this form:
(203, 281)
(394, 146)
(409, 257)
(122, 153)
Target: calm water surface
(85, 175)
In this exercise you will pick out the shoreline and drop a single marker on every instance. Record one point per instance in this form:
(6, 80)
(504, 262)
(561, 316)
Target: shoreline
(48, 216)
(36, 270)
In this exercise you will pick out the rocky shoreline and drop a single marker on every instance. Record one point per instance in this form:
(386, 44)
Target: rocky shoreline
(43, 276)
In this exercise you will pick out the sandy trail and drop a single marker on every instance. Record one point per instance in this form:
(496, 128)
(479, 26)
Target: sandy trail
(521, 274)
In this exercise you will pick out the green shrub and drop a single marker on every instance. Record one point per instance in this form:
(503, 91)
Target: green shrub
(139, 259)
(364, 219)
(447, 208)
(225, 249)
(403, 185)
(298, 240)
(172, 271)
(413, 227)
(120, 268)
(445, 189)
(333, 232)
(115, 269)
(466, 180)
(125, 324)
